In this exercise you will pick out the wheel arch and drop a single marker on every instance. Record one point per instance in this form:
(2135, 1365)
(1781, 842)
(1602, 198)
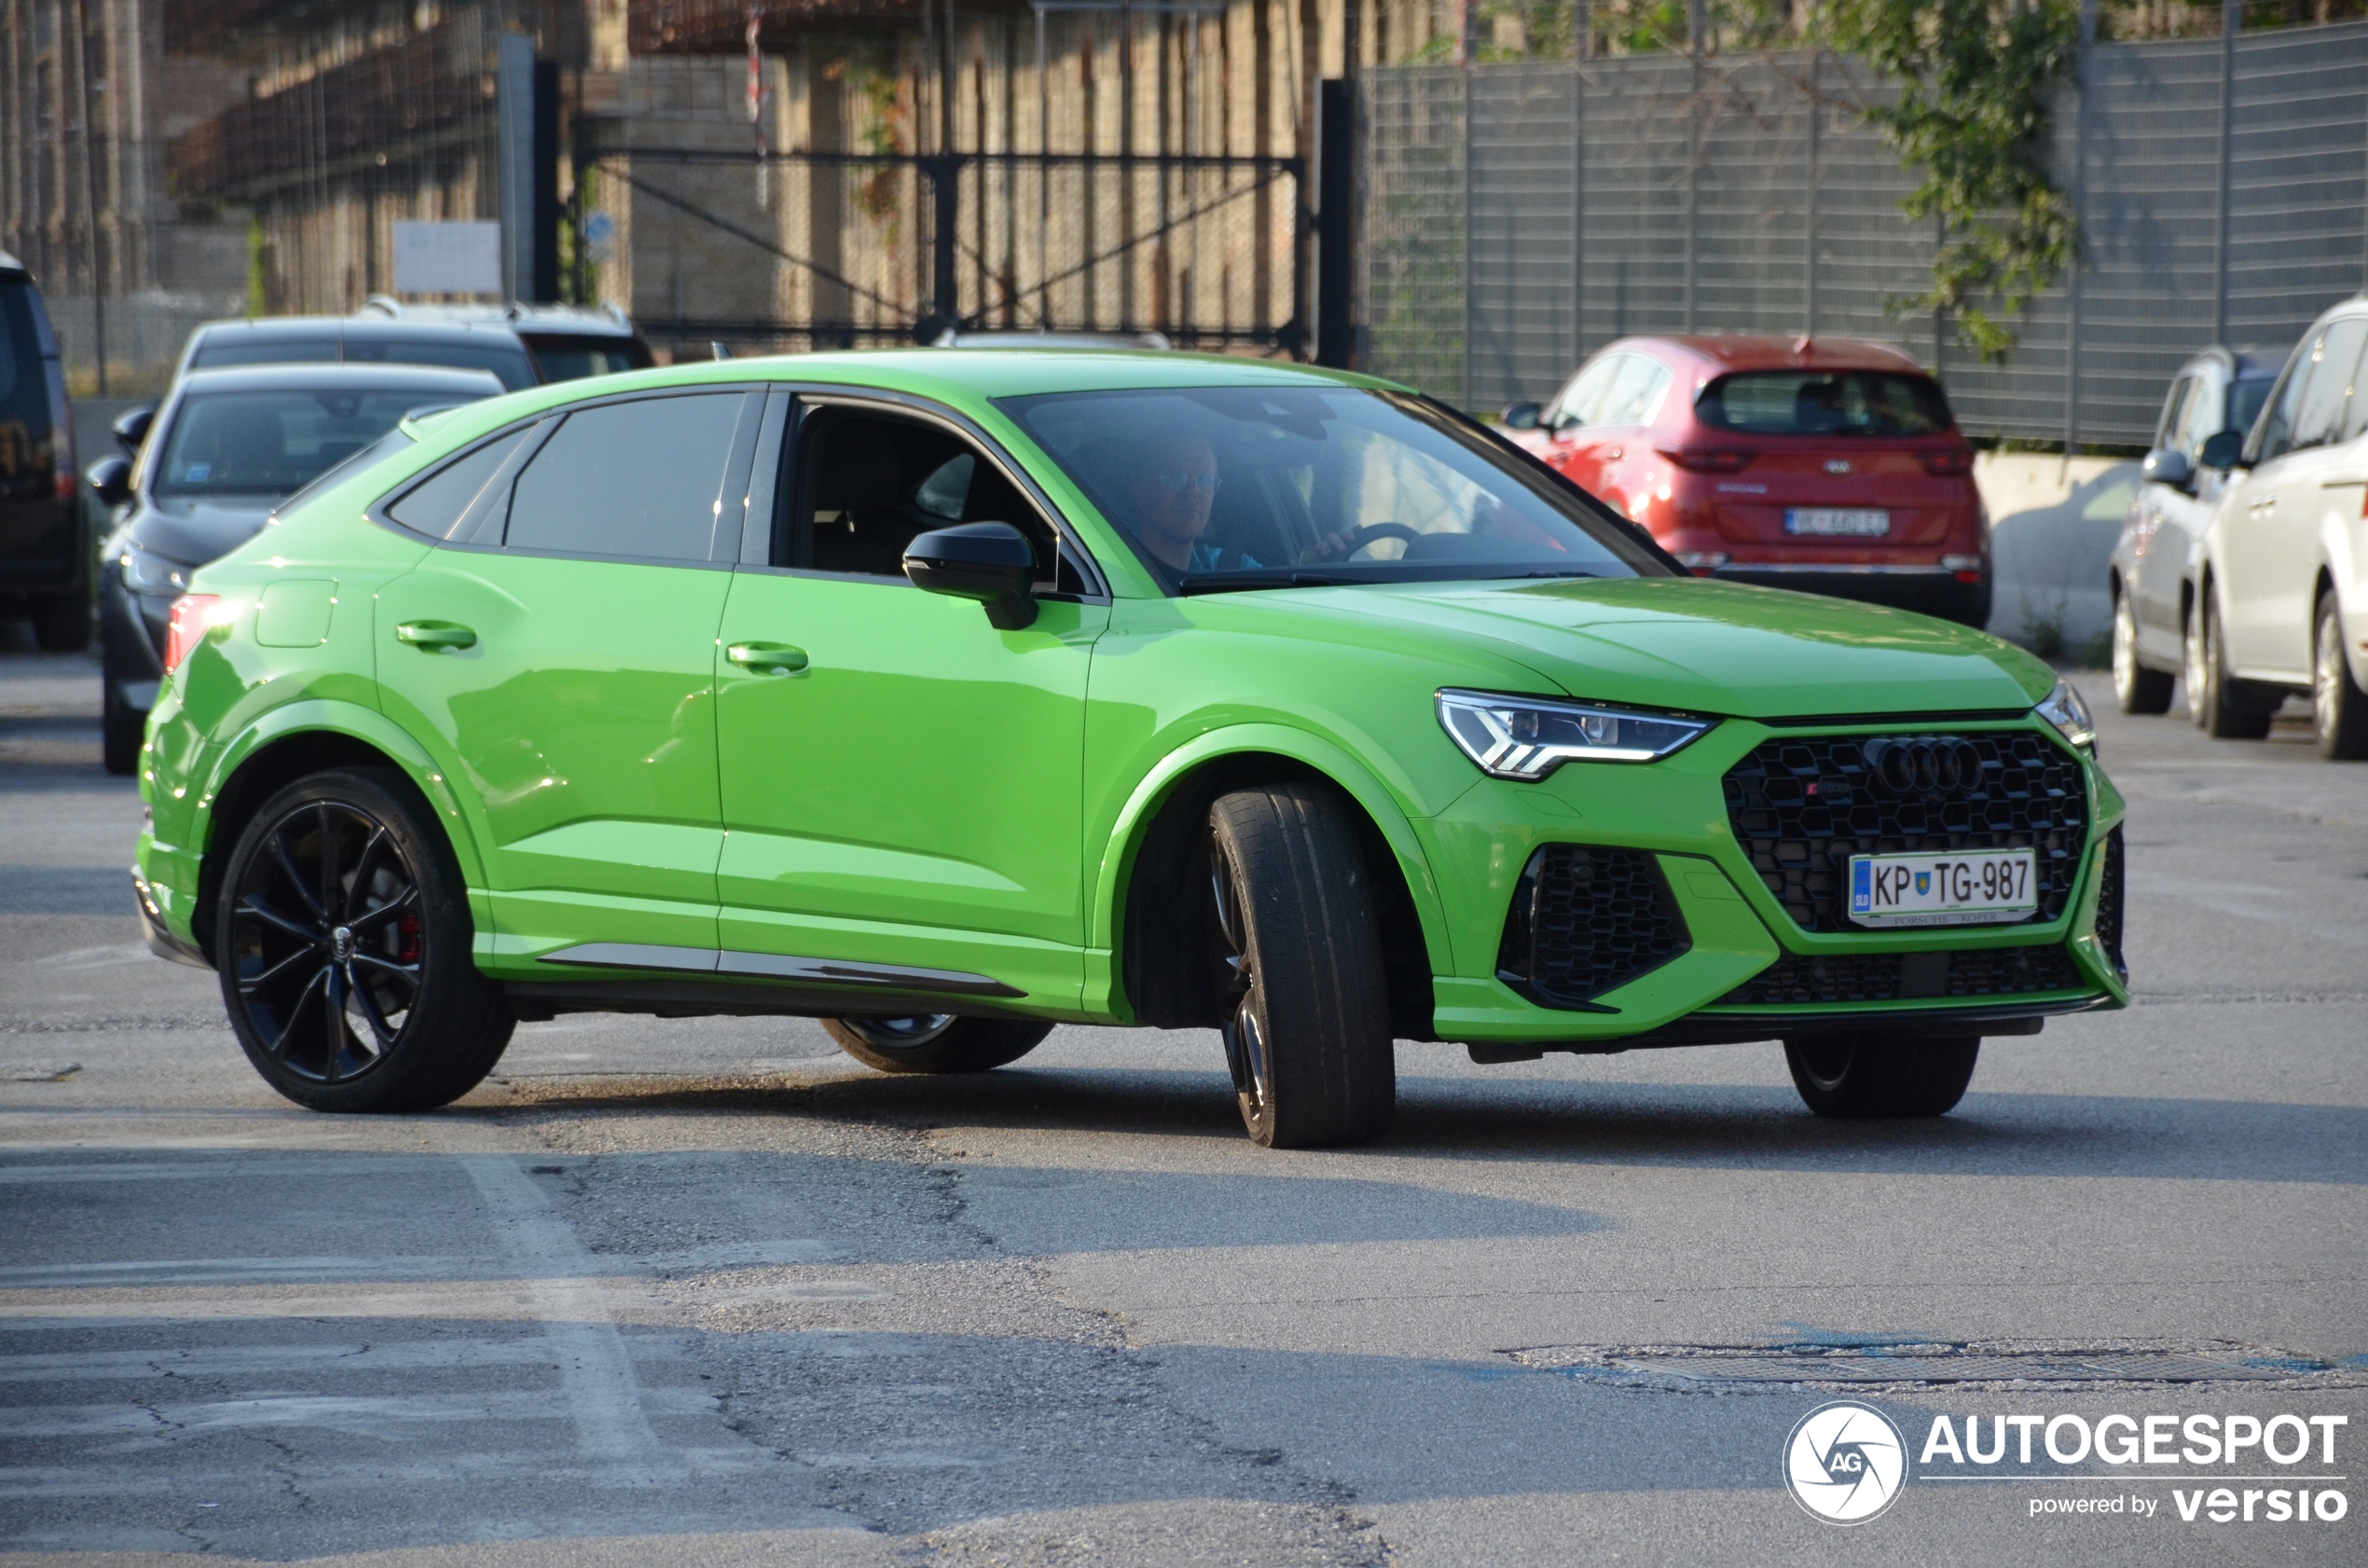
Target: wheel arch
(285, 744)
(1156, 844)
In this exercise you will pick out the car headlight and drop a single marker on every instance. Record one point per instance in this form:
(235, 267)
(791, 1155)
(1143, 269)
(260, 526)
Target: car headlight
(1528, 738)
(144, 571)
(2064, 709)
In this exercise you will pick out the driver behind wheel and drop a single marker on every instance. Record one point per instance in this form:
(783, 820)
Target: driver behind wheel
(1171, 497)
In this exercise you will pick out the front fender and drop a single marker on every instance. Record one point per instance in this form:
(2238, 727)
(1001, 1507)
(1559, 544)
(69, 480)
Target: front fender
(1324, 757)
(2343, 551)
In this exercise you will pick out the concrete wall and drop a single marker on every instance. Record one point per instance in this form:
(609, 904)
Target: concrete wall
(2052, 527)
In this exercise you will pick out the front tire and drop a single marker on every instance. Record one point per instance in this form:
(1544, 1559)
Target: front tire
(936, 1042)
(1877, 1074)
(2338, 708)
(345, 948)
(2224, 706)
(1307, 1029)
(2136, 688)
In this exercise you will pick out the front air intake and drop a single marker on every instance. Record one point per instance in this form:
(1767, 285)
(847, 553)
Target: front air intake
(1586, 921)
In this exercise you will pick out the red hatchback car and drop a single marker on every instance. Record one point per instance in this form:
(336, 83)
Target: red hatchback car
(1830, 466)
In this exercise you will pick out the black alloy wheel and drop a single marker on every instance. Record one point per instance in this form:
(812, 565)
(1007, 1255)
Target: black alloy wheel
(2136, 688)
(1877, 1074)
(2338, 708)
(936, 1042)
(343, 943)
(1305, 998)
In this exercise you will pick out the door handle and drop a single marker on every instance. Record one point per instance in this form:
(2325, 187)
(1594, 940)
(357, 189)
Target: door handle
(767, 658)
(436, 636)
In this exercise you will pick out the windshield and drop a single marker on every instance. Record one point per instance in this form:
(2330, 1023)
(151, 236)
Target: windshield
(270, 443)
(1825, 403)
(1254, 487)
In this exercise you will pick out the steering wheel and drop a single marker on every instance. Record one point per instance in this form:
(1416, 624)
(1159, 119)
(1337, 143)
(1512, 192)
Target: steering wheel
(1373, 533)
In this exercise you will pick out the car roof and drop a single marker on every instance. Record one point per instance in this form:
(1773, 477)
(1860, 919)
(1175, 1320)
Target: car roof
(10, 264)
(362, 330)
(605, 321)
(1014, 338)
(1726, 351)
(305, 377)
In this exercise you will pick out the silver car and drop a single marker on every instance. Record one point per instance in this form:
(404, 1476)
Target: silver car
(2155, 562)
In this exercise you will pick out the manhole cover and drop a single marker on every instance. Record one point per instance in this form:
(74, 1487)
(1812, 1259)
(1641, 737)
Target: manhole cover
(1929, 1363)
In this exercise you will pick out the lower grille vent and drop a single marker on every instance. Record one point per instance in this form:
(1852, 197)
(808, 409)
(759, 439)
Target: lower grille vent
(2109, 896)
(1585, 921)
(1892, 977)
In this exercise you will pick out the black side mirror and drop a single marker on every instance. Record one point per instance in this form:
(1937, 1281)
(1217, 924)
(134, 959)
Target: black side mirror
(2225, 450)
(2169, 466)
(990, 562)
(110, 480)
(1522, 416)
(131, 427)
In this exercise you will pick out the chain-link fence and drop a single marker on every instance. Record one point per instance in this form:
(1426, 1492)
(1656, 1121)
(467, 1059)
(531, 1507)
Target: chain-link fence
(1518, 217)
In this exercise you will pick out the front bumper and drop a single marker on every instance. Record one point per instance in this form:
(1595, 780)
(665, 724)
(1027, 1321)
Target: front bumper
(1735, 927)
(158, 936)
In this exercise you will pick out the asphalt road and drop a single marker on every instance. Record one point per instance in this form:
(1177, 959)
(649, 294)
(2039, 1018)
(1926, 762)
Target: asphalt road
(705, 1291)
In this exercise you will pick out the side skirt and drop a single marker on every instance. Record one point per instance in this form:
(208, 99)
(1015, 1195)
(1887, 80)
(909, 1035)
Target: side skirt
(691, 982)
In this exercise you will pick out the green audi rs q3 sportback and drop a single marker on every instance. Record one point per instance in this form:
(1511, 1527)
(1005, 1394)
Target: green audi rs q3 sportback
(946, 696)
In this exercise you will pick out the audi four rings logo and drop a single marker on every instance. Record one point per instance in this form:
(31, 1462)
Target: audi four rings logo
(1926, 765)
(1844, 1462)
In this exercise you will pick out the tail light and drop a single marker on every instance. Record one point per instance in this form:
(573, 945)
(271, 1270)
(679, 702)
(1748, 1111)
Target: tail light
(1950, 462)
(192, 613)
(1710, 460)
(1969, 568)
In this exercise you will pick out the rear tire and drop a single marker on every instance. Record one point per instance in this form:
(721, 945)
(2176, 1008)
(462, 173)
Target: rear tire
(346, 951)
(122, 728)
(936, 1043)
(1307, 1029)
(2338, 708)
(2225, 708)
(1879, 1074)
(2138, 689)
(62, 623)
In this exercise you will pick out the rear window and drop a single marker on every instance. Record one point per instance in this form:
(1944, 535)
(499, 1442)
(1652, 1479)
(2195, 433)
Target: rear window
(1825, 403)
(21, 348)
(510, 366)
(218, 353)
(272, 443)
(567, 357)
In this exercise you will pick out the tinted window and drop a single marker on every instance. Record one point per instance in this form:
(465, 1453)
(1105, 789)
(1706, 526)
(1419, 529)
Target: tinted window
(1634, 396)
(270, 443)
(510, 367)
(562, 358)
(28, 450)
(385, 445)
(436, 508)
(2245, 399)
(2321, 418)
(868, 483)
(637, 478)
(1288, 486)
(1825, 403)
(2275, 435)
(235, 348)
(20, 347)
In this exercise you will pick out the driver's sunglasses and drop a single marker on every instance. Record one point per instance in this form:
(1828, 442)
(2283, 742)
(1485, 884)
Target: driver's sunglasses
(1177, 483)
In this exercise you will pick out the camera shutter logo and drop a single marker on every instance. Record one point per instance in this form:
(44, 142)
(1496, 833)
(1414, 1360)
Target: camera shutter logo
(1845, 1462)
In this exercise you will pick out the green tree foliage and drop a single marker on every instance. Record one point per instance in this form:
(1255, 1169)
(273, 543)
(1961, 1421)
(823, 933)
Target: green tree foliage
(1972, 112)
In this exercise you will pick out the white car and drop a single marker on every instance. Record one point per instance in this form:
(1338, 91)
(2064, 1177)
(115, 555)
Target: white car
(2281, 586)
(2153, 568)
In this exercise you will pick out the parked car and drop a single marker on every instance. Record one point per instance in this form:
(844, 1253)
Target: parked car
(45, 541)
(227, 448)
(1830, 466)
(567, 342)
(2155, 562)
(2281, 590)
(763, 687)
(1020, 337)
(487, 346)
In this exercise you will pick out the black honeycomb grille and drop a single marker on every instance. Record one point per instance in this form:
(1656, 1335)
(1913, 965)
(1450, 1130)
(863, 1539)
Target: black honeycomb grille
(1965, 974)
(1585, 921)
(2109, 905)
(1801, 806)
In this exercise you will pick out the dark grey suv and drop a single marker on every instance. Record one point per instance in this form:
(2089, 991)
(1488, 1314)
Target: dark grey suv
(45, 543)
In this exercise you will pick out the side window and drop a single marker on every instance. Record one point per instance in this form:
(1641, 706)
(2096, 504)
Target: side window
(2321, 416)
(1635, 396)
(640, 478)
(868, 483)
(2275, 435)
(2170, 429)
(437, 506)
(1579, 401)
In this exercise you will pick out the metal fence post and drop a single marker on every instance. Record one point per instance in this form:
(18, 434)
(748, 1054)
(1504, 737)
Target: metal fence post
(1808, 219)
(1470, 313)
(2231, 17)
(2079, 223)
(1696, 25)
(1582, 50)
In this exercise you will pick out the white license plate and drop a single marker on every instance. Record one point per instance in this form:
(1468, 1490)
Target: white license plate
(1968, 887)
(1863, 522)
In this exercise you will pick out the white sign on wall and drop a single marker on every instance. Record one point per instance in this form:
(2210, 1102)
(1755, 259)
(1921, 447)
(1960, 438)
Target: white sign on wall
(448, 258)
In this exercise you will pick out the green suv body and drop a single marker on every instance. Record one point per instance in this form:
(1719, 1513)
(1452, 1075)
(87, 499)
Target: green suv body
(1249, 696)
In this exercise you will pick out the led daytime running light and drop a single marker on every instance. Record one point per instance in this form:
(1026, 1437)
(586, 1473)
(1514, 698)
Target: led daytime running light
(1526, 739)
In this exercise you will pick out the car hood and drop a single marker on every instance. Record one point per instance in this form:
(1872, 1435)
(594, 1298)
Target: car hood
(1705, 647)
(194, 532)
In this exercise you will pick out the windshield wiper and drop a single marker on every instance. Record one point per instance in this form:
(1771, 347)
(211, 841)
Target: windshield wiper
(1239, 582)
